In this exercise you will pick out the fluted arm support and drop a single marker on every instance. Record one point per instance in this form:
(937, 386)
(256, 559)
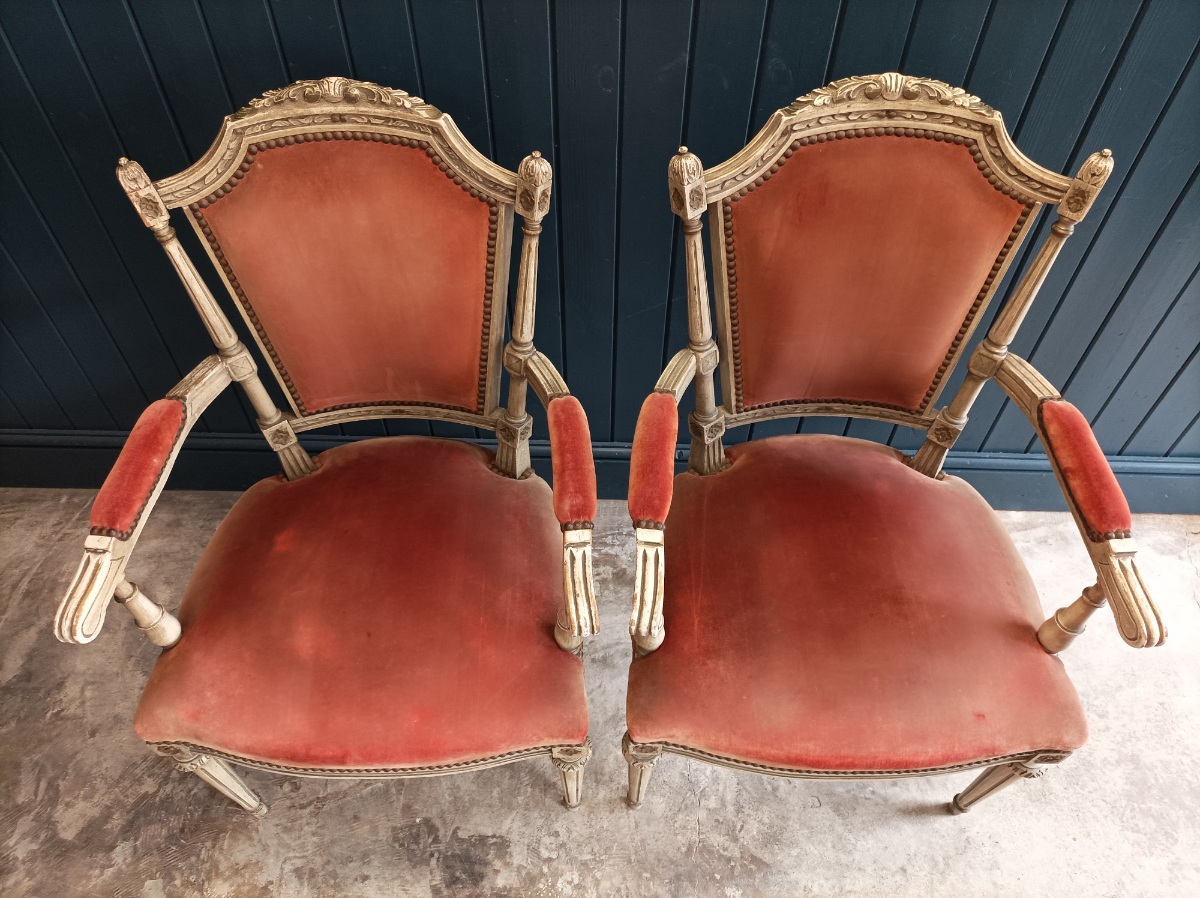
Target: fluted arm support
(1098, 506)
(651, 484)
(126, 500)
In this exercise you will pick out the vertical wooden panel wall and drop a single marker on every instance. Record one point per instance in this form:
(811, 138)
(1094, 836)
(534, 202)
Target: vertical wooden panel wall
(93, 325)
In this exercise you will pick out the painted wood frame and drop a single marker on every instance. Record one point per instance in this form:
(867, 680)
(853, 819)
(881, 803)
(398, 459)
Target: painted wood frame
(864, 106)
(342, 109)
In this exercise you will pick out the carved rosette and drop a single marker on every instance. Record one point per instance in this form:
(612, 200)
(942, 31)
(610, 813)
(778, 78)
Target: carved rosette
(534, 177)
(337, 90)
(890, 86)
(685, 176)
(140, 190)
(1086, 186)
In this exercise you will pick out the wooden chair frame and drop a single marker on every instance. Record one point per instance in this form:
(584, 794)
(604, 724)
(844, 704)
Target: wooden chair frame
(864, 106)
(342, 109)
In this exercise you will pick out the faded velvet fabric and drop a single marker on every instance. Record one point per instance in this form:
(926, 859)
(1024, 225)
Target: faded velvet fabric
(856, 264)
(652, 462)
(1089, 478)
(829, 608)
(138, 468)
(571, 461)
(396, 608)
(366, 267)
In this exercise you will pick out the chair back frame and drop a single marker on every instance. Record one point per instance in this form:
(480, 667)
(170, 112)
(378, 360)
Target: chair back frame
(861, 106)
(338, 108)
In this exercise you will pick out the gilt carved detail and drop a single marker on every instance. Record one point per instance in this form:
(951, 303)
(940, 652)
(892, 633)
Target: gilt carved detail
(891, 86)
(338, 90)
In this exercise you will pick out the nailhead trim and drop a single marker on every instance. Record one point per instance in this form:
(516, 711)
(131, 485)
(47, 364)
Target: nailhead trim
(650, 525)
(848, 133)
(578, 525)
(225, 189)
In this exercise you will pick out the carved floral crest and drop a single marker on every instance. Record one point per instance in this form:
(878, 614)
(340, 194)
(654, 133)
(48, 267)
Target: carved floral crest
(891, 86)
(336, 90)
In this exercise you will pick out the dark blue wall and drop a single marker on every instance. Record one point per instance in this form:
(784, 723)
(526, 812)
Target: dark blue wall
(93, 324)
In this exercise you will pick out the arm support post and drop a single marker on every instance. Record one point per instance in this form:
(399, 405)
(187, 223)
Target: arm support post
(685, 176)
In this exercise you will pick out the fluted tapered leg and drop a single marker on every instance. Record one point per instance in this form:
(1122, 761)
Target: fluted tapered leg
(991, 781)
(217, 774)
(570, 761)
(641, 759)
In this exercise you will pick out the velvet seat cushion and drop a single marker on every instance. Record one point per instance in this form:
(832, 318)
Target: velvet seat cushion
(829, 608)
(395, 608)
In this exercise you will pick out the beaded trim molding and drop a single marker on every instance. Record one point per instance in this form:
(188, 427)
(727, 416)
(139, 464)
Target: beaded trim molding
(984, 293)
(126, 534)
(371, 772)
(1044, 756)
(197, 211)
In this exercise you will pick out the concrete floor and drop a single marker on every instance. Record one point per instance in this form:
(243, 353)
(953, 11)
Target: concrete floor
(86, 809)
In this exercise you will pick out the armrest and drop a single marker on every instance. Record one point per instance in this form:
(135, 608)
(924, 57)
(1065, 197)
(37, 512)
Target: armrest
(574, 498)
(128, 496)
(1093, 495)
(651, 485)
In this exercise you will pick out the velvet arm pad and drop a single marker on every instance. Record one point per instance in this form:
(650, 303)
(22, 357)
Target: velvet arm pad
(571, 459)
(1090, 482)
(139, 467)
(652, 465)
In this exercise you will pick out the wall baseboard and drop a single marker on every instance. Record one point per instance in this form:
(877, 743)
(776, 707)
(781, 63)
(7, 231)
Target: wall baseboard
(32, 458)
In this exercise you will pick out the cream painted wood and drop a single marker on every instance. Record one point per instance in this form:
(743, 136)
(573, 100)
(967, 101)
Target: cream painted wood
(990, 782)
(646, 625)
(217, 773)
(570, 761)
(159, 625)
(581, 617)
(641, 760)
(1065, 625)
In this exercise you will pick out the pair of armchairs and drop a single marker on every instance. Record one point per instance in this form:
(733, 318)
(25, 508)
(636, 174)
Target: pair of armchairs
(804, 606)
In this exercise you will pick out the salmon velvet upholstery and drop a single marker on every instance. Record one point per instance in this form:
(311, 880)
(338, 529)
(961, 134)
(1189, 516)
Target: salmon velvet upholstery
(652, 462)
(139, 467)
(856, 265)
(366, 270)
(571, 461)
(396, 608)
(829, 608)
(1089, 478)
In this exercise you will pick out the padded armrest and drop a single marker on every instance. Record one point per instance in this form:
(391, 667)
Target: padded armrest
(571, 459)
(1091, 485)
(1093, 495)
(652, 462)
(127, 496)
(143, 461)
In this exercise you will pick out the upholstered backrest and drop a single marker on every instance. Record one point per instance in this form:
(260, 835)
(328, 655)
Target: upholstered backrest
(857, 240)
(366, 244)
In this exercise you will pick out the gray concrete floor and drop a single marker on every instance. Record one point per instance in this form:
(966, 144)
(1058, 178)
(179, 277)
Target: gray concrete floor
(86, 809)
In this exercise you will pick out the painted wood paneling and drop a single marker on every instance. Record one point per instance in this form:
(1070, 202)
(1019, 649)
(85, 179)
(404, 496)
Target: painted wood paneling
(93, 323)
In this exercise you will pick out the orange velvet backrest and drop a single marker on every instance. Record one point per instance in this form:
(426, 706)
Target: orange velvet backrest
(365, 269)
(858, 266)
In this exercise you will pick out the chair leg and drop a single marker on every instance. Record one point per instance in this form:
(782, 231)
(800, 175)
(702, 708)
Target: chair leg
(217, 774)
(641, 759)
(991, 781)
(570, 761)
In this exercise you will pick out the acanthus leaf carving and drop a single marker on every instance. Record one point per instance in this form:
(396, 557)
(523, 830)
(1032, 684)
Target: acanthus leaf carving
(338, 90)
(889, 86)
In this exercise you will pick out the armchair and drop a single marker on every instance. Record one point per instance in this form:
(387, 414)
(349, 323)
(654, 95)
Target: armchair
(399, 606)
(820, 606)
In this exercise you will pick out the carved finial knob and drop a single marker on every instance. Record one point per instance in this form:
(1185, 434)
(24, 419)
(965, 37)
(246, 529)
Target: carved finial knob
(140, 190)
(685, 176)
(1083, 191)
(534, 176)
